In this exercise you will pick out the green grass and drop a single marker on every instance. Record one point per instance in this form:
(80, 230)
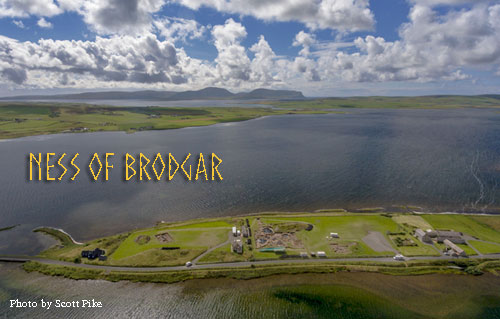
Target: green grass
(399, 269)
(428, 102)
(490, 221)
(224, 254)
(19, 119)
(465, 224)
(484, 247)
(184, 238)
(412, 220)
(70, 251)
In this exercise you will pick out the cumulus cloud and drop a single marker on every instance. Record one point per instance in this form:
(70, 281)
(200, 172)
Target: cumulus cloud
(115, 16)
(42, 23)
(24, 8)
(232, 61)
(305, 40)
(179, 29)
(122, 59)
(342, 15)
(432, 47)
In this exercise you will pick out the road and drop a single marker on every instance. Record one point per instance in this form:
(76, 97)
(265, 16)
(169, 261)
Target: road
(232, 264)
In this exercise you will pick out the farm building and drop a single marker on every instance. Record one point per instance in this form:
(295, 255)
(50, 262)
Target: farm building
(455, 250)
(303, 255)
(334, 235)
(440, 236)
(244, 231)
(237, 246)
(321, 254)
(234, 231)
(93, 254)
(423, 236)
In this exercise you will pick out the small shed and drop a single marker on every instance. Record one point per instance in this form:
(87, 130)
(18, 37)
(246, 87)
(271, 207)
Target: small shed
(321, 254)
(334, 235)
(234, 231)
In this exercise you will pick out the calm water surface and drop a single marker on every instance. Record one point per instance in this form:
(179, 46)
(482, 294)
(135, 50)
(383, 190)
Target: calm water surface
(341, 295)
(441, 160)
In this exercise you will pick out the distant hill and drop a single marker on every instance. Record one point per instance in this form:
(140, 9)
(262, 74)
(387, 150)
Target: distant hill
(210, 93)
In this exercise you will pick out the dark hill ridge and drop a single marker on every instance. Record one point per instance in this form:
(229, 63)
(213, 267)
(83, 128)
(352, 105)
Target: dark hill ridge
(210, 93)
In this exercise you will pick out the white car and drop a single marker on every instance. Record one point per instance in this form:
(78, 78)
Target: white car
(189, 264)
(399, 257)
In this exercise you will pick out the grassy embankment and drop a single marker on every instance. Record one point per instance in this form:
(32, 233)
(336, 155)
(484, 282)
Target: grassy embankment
(8, 227)
(407, 268)
(19, 119)
(424, 102)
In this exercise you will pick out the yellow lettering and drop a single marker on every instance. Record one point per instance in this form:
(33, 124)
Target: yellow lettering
(59, 163)
(182, 167)
(215, 168)
(49, 167)
(129, 166)
(100, 166)
(32, 157)
(143, 168)
(201, 161)
(107, 165)
(162, 168)
(77, 168)
(170, 158)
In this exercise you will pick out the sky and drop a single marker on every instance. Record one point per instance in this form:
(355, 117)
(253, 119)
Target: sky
(319, 47)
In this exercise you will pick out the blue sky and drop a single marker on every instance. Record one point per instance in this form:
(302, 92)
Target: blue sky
(322, 47)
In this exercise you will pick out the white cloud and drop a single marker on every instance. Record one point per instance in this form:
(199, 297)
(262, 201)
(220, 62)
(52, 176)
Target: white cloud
(116, 16)
(233, 64)
(24, 8)
(42, 23)
(305, 40)
(19, 24)
(342, 15)
(447, 2)
(432, 47)
(176, 29)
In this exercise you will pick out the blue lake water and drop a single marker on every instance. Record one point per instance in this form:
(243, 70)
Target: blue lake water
(441, 160)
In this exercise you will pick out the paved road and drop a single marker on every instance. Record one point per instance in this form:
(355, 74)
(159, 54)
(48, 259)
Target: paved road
(233, 264)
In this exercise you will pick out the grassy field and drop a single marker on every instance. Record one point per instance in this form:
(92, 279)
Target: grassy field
(412, 221)
(394, 233)
(485, 247)
(465, 224)
(224, 254)
(427, 102)
(490, 221)
(19, 119)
